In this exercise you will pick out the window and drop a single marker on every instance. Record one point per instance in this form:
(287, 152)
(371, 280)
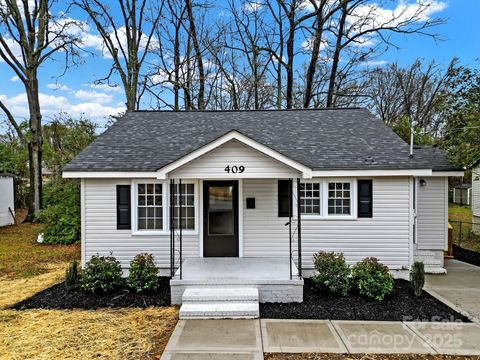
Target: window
(339, 198)
(149, 207)
(188, 206)
(310, 198)
(284, 205)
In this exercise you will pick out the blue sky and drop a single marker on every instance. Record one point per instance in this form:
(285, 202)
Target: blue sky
(74, 92)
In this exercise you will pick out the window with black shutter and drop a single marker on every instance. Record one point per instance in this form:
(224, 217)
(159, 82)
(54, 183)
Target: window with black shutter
(123, 207)
(365, 198)
(284, 205)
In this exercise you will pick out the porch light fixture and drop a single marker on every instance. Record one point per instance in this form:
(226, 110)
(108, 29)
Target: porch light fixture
(423, 182)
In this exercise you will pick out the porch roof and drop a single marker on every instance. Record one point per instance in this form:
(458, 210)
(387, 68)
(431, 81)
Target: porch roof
(327, 139)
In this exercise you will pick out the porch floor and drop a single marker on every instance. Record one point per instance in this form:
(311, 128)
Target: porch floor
(236, 271)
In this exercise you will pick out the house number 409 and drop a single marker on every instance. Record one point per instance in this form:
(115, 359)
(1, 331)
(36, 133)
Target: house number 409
(235, 169)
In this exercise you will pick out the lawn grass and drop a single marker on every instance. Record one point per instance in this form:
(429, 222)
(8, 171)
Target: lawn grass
(82, 334)
(459, 212)
(22, 257)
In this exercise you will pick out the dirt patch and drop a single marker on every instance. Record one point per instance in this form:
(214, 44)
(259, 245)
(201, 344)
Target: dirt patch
(468, 256)
(400, 306)
(58, 297)
(365, 357)
(81, 334)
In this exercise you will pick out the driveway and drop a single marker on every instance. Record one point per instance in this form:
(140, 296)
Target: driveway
(459, 288)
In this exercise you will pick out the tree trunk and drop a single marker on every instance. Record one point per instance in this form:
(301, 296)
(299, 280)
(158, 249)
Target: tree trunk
(198, 55)
(290, 55)
(336, 57)
(312, 66)
(34, 148)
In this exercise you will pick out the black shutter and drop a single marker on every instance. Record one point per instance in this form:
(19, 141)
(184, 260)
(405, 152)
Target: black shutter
(284, 205)
(365, 198)
(123, 207)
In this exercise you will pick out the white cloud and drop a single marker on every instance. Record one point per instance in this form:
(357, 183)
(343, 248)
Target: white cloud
(93, 96)
(14, 78)
(252, 6)
(60, 87)
(52, 105)
(375, 63)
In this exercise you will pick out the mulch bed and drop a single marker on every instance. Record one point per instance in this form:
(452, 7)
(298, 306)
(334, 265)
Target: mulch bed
(402, 305)
(318, 356)
(58, 297)
(468, 256)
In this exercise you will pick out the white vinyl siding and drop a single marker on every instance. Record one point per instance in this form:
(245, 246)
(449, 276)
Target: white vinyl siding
(432, 206)
(102, 236)
(6, 200)
(385, 236)
(233, 153)
(476, 191)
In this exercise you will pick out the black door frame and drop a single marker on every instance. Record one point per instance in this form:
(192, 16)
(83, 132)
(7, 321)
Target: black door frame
(236, 209)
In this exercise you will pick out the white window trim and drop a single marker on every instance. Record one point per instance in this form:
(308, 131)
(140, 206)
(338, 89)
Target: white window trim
(324, 200)
(165, 205)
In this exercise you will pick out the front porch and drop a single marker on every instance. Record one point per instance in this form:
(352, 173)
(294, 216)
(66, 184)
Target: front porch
(271, 276)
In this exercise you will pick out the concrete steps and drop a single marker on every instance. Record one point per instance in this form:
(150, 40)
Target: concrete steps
(219, 303)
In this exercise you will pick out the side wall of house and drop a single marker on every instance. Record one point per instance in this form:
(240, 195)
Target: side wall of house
(476, 198)
(432, 222)
(385, 236)
(6, 200)
(102, 237)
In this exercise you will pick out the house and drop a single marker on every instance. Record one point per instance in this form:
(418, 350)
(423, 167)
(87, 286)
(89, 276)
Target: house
(476, 197)
(261, 192)
(7, 200)
(462, 194)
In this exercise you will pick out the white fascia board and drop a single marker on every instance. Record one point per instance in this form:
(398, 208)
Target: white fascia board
(108, 175)
(234, 135)
(358, 173)
(447, 173)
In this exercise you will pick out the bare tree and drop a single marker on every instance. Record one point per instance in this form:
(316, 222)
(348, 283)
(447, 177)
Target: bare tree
(128, 39)
(30, 35)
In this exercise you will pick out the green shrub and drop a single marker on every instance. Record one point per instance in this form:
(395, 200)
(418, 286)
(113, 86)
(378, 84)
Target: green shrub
(417, 277)
(372, 279)
(61, 214)
(71, 274)
(101, 274)
(143, 275)
(333, 272)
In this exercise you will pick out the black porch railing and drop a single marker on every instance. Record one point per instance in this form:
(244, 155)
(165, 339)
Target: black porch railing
(176, 236)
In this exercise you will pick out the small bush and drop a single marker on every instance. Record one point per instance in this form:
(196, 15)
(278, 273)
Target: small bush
(71, 274)
(101, 274)
(372, 279)
(143, 275)
(417, 277)
(333, 272)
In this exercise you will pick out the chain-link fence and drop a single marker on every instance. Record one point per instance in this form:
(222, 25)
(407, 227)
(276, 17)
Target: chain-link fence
(466, 234)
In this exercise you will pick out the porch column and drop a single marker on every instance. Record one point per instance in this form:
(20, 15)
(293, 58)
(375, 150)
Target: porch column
(299, 230)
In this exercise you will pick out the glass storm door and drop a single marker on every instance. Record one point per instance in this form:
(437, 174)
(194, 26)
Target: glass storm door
(220, 219)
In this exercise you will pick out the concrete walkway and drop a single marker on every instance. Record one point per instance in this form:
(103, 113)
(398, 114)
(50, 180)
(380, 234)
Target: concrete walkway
(459, 288)
(248, 339)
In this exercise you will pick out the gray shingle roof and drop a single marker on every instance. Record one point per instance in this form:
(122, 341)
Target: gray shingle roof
(320, 139)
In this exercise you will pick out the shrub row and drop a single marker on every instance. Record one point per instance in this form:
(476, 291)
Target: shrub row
(369, 277)
(103, 274)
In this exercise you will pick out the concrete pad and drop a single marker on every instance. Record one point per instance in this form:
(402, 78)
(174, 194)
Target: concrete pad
(206, 339)
(211, 356)
(300, 336)
(450, 338)
(381, 337)
(458, 289)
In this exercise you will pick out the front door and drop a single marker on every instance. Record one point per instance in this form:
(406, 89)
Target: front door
(220, 218)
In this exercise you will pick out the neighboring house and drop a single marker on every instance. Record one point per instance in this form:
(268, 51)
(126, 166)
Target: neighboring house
(462, 194)
(239, 175)
(7, 199)
(476, 196)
